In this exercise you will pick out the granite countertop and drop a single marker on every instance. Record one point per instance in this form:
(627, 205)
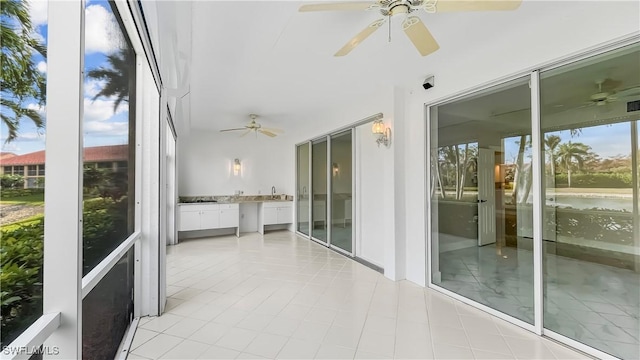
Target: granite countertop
(232, 199)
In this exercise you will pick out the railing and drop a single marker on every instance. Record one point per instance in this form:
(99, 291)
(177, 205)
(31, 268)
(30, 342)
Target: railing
(30, 341)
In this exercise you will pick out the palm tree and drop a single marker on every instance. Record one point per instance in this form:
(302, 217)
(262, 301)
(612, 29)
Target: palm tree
(117, 76)
(20, 78)
(571, 154)
(551, 143)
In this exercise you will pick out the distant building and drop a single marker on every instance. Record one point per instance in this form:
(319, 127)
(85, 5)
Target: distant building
(31, 165)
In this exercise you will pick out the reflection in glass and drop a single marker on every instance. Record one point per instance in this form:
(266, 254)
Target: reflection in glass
(481, 202)
(591, 240)
(303, 188)
(22, 129)
(319, 188)
(107, 311)
(108, 210)
(341, 191)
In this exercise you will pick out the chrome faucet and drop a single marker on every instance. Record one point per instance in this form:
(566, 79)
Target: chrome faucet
(273, 191)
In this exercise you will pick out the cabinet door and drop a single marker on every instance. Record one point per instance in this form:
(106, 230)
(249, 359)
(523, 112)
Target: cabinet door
(189, 220)
(285, 215)
(270, 215)
(229, 218)
(210, 219)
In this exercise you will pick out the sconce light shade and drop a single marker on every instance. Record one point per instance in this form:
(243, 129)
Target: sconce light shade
(382, 133)
(335, 169)
(378, 127)
(236, 167)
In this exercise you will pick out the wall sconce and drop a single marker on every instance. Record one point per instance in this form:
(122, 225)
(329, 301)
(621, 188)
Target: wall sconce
(382, 132)
(236, 167)
(335, 169)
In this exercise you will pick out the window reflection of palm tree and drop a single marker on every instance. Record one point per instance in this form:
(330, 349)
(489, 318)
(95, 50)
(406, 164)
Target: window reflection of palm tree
(116, 76)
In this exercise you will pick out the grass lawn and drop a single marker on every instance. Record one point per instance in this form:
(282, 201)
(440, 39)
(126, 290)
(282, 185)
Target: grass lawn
(26, 222)
(33, 199)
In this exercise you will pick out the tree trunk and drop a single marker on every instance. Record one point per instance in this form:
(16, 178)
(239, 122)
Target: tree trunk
(465, 164)
(457, 171)
(569, 176)
(518, 173)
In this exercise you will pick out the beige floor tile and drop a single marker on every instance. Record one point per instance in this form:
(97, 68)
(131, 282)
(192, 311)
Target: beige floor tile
(157, 346)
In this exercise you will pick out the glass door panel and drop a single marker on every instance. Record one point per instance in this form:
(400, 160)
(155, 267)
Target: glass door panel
(341, 191)
(319, 190)
(481, 202)
(303, 188)
(591, 241)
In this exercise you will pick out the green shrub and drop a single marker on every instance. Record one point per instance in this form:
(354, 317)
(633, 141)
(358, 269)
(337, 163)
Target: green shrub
(11, 181)
(595, 180)
(21, 259)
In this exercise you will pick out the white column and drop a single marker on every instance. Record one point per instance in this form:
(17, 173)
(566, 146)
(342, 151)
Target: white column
(148, 250)
(63, 188)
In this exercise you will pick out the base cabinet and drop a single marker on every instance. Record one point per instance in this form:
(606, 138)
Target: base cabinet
(274, 213)
(208, 216)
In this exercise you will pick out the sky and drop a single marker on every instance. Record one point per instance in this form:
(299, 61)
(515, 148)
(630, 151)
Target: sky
(605, 140)
(102, 126)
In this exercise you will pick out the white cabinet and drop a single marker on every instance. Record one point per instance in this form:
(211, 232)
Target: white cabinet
(189, 220)
(229, 215)
(274, 213)
(208, 216)
(270, 216)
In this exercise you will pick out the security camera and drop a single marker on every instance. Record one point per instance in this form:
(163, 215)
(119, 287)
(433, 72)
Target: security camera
(429, 82)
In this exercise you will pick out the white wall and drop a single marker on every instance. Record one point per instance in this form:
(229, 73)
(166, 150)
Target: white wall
(206, 158)
(554, 31)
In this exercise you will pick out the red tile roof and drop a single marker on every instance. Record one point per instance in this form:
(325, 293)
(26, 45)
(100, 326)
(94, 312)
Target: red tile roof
(6, 155)
(91, 154)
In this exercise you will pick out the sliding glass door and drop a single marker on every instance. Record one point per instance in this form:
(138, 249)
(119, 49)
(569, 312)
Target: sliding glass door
(325, 212)
(591, 243)
(303, 185)
(482, 220)
(537, 219)
(319, 188)
(342, 191)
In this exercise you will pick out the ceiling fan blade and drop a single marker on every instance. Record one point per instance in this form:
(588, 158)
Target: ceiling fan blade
(245, 133)
(233, 129)
(268, 133)
(342, 6)
(420, 35)
(273, 130)
(362, 35)
(630, 92)
(476, 5)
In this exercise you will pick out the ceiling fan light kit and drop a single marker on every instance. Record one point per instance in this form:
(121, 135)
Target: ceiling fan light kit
(412, 26)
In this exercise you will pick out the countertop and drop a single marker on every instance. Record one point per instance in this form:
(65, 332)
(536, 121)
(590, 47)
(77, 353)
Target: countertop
(229, 199)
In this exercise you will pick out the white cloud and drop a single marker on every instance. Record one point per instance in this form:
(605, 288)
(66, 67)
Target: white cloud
(42, 67)
(40, 109)
(22, 137)
(93, 86)
(38, 12)
(101, 110)
(102, 32)
(106, 128)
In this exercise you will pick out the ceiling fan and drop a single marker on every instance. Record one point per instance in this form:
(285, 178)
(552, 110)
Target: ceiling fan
(412, 26)
(255, 127)
(604, 97)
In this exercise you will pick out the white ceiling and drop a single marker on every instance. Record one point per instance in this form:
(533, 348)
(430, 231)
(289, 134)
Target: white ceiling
(265, 57)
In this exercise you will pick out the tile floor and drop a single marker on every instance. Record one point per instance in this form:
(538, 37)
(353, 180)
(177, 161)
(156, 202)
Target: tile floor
(285, 297)
(595, 304)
